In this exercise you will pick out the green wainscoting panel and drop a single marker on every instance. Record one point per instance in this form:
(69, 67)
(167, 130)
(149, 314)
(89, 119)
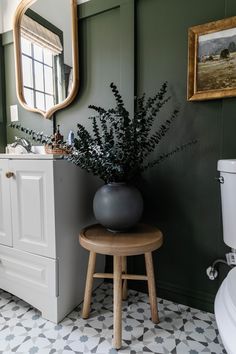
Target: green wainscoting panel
(106, 41)
(7, 38)
(92, 8)
(2, 100)
(181, 194)
(229, 107)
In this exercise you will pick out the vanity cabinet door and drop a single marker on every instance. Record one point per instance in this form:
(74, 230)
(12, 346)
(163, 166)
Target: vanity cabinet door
(5, 205)
(32, 196)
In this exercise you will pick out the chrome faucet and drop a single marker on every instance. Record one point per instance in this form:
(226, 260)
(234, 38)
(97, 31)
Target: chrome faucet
(22, 142)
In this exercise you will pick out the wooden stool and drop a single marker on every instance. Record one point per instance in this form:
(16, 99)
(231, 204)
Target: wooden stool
(143, 239)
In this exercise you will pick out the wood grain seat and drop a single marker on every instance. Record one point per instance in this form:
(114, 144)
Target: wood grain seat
(143, 239)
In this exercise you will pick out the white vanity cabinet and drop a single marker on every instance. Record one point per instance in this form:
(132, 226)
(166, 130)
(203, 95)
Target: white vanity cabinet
(42, 209)
(5, 206)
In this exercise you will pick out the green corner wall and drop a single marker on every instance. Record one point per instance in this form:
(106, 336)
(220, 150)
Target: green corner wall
(2, 100)
(182, 195)
(139, 44)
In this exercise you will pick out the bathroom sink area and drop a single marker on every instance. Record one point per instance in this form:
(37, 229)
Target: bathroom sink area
(20, 150)
(37, 153)
(38, 150)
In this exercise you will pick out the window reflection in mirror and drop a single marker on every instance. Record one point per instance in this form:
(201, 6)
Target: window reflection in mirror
(45, 82)
(46, 53)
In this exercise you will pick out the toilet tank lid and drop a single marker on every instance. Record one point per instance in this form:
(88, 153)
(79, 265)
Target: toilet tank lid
(227, 165)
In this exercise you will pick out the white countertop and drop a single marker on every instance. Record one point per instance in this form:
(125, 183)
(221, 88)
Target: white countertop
(31, 156)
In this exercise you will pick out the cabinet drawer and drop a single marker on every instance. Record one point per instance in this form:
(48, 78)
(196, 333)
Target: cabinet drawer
(25, 274)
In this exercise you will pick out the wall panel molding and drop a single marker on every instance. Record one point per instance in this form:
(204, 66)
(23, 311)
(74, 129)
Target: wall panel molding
(127, 40)
(183, 295)
(2, 99)
(7, 38)
(94, 7)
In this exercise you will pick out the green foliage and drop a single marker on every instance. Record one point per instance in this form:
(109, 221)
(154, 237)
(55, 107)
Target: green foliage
(38, 137)
(118, 147)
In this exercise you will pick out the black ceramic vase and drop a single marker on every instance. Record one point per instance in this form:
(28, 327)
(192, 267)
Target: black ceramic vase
(118, 206)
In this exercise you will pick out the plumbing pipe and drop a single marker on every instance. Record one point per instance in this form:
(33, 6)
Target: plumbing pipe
(212, 272)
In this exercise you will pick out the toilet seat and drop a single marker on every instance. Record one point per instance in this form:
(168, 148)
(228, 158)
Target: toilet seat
(225, 311)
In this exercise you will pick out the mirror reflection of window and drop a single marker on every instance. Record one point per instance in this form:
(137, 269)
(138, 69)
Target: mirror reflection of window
(42, 61)
(39, 90)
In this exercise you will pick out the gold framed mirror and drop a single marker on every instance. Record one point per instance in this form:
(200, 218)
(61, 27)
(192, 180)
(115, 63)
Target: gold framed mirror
(46, 54)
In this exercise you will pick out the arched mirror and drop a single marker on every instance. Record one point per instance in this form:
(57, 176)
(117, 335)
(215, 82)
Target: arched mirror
(46, 54)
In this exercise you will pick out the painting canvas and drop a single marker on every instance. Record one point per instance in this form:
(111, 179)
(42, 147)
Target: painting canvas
(212, 60)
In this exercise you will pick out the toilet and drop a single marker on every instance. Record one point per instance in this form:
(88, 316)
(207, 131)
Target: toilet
(225, 302)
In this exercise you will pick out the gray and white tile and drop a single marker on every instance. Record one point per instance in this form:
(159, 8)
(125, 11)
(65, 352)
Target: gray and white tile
(182, 330)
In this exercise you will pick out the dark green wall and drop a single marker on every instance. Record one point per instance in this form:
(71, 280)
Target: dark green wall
(2, 100)
(181, 194)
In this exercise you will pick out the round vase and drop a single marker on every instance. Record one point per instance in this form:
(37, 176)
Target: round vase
(118, 206)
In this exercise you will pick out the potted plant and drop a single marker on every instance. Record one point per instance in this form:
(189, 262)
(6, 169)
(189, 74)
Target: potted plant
(117, 151)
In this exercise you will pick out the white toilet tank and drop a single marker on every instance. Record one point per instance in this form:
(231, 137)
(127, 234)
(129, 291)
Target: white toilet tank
(227, 170)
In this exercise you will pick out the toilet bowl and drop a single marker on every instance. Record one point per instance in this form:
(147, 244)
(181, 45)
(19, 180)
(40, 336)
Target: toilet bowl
(225, 312)
(225, 301)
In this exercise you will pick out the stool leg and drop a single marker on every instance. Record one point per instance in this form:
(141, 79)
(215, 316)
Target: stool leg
(124, 271)
(89, 285)
(117, 306)
(151, 287)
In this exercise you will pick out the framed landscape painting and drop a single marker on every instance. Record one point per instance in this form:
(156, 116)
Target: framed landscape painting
(212, 60)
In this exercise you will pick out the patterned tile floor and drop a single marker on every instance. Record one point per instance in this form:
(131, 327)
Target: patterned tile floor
(182, 329)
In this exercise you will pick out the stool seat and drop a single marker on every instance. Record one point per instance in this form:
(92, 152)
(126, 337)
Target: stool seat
(142, 239)
(139, 240)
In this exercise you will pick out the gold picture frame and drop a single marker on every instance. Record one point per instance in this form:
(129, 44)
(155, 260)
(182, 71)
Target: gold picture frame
(212, 60)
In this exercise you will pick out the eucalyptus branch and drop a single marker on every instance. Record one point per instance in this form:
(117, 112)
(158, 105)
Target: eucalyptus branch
(164, 156)
(155, 139)
(39, 137)
(116, 147)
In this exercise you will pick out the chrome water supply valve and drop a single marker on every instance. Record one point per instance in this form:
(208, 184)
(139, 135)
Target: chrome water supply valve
(212, 273)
